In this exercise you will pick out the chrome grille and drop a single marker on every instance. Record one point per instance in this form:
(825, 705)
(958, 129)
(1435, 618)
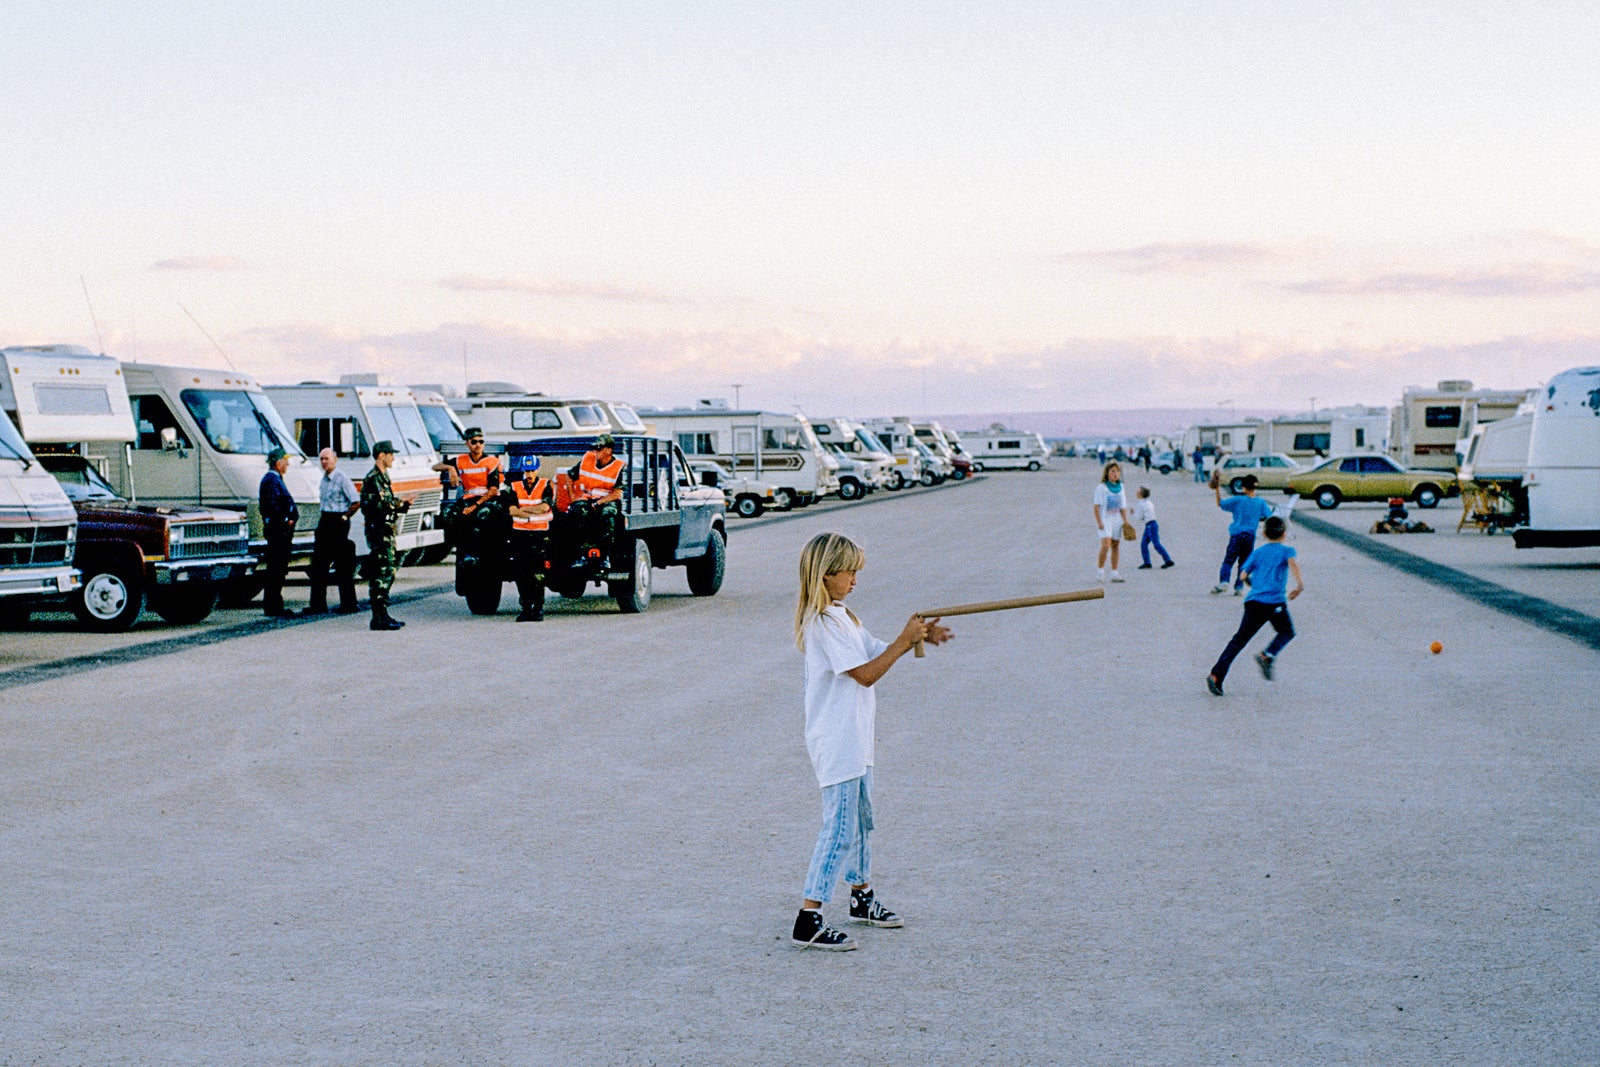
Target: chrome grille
(205, 540)
(36, 546)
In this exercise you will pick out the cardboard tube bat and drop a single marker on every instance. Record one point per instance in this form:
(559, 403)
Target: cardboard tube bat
(1007, 605)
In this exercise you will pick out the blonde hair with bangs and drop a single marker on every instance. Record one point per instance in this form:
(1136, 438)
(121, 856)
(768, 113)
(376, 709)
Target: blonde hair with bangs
(824, 554)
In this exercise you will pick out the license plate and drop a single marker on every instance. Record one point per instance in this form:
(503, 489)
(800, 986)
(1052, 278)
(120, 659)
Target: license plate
(220, 573)
(64, 583)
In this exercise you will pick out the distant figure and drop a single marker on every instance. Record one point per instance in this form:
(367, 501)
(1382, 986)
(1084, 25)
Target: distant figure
(1199, 465)
(1144, 456)
(1152, 531)
(279, 513)
(1268, 570)
(1111, 513)
(1248, 512)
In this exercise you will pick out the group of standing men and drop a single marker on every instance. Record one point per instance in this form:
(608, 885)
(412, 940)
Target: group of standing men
(528, 501)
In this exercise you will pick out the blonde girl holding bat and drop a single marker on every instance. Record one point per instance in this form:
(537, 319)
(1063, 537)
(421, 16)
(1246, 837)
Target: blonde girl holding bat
(843, 662)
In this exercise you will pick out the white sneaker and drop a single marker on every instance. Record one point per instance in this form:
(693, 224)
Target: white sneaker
(1116, 576)
(1100, 575)
(1220, 587)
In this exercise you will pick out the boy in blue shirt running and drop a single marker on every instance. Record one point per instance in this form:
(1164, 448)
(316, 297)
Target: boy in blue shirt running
(1248, 512)
(1268, 570)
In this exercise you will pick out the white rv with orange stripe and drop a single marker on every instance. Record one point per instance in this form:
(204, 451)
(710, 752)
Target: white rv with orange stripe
(353, 416)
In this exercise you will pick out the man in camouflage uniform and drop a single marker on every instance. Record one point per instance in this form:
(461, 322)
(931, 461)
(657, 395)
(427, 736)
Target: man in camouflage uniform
(380, 509)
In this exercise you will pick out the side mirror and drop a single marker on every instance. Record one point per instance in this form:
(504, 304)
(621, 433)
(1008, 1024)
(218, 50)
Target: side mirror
(169, 439)
(709, 478)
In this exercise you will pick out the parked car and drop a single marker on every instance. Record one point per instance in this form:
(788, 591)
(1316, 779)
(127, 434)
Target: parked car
(1370, 477)
(1272, 470)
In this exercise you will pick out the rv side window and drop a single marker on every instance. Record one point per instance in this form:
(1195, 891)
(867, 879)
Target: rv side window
(534, 419)
(586, 415)
(888, 441)
(782, 437)
(1008, 444)
(344, 436)
(151, 415)
(697, 444)
(1361, 437)
(1442, 417)
(1312, 442)
(72, 399)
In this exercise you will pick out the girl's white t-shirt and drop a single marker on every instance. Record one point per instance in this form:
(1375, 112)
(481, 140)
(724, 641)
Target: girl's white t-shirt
(841, 713)
(1110, 505)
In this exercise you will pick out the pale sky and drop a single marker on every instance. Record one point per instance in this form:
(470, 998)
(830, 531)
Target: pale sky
(854, 208)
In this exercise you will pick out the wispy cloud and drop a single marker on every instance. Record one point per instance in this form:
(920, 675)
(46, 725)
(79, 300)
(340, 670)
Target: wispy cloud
(467, 283)
(1180, 257)
(1518, 282)
(202, 263)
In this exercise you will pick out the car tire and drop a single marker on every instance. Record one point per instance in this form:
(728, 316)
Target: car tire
(1327, 497)
(930, 479)
(1427, 496)
(897, 482)
(705, 574)
(748, 507)
(111, 598)
(782, 499)
(1236, 487)
(850, 489)
(483, 594)
(1164, 469)
(185, 606)
(1033, 464)
(632, 594)
(977, 468)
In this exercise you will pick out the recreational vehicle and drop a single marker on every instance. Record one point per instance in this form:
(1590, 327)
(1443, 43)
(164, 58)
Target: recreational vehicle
(779, 450)
(350, 418)
(1563, 479)
(506, 412)
(943, 444)
(863, 465)
(74, 410)
(1312, 437)
(1427, 423)
(899, 438)
(201, 437)
(38, 526)
(998, 449)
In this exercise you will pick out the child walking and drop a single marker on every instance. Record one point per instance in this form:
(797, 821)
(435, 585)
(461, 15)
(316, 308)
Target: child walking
(1146, 512)
(1267, 570)
(842, 664)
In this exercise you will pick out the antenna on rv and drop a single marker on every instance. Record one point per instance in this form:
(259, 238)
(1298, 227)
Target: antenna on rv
(84, 282)
(736, 405)
(213, 340)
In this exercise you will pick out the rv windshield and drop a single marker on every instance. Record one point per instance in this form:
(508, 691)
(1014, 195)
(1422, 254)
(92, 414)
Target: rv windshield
(239, 422)
(443, 428)
(12, 446)
(866, 442)
(627, 418)
(79, 479)
(400, 425)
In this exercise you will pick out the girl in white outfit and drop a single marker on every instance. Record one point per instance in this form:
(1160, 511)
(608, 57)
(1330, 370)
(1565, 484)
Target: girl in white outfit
(1111, 510)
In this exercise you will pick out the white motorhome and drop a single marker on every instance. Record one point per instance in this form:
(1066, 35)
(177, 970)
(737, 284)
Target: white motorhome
(202, 437)
(350, 418)
(38, 524)
(863, 465)
(943, 445)
(1214, 438)
(899, 438)
(780, 450)
(1312, 437)
(1497, 452)
(1427, 423)
(1563, 478)
(998, 449)
(506, 412)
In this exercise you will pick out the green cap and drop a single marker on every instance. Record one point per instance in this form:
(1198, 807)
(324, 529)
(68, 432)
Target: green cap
(383, 446)
(275, 455)
(604, 441)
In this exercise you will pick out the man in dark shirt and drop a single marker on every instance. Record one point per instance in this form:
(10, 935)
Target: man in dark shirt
(279, 513)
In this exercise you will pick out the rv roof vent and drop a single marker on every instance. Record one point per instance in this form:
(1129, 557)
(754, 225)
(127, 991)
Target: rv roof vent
(495, 389)
(359, 379)
(311, 383)
(1455, 385)
(443, 390)
(51, 350)
(715, 403)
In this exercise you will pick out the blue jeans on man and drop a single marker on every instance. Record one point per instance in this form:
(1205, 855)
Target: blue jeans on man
(1240, 545)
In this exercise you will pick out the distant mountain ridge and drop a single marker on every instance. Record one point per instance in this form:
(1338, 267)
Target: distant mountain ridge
(1102, 422)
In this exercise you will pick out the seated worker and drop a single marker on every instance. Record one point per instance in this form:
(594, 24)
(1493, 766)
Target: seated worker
(477, 475)
(597, 490)
(530, 500)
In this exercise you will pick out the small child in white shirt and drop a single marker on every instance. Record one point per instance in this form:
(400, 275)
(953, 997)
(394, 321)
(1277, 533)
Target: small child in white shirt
(1146, 511)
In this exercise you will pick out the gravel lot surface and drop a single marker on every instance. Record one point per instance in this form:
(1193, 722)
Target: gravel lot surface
(583, 841)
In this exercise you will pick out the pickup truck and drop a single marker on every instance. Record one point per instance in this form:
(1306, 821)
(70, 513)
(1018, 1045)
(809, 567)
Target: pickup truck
(668, 519)
(173, 558)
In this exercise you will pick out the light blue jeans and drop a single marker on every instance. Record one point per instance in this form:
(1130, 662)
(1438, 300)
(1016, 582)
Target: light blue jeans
(842, 844)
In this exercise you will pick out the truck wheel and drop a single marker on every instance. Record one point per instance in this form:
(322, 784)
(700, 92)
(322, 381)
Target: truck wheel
(748, 506)
(897, 481)
(567, 589)
(1033, 464)
(850, 489)
(1427, 496)
(180, 607)
(240, 591)
(930, 479)
(633, 593)
(782, 499)
(705, 574)
(977, 468)
(483, 595)
(111, 598)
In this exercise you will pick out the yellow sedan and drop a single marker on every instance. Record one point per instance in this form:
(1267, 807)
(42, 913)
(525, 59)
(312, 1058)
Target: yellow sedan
(1370, 477)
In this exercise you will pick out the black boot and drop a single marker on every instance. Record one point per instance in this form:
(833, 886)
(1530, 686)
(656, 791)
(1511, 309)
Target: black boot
(381, 619)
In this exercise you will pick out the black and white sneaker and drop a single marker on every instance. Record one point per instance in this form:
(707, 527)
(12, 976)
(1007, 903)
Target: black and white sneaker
(868, 912)
(1264, 661)
(811, 932)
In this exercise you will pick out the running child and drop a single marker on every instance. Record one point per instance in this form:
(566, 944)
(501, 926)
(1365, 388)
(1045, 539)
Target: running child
(1268, 570)
(842, 664)
(1248, 511)
(1146, 512)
